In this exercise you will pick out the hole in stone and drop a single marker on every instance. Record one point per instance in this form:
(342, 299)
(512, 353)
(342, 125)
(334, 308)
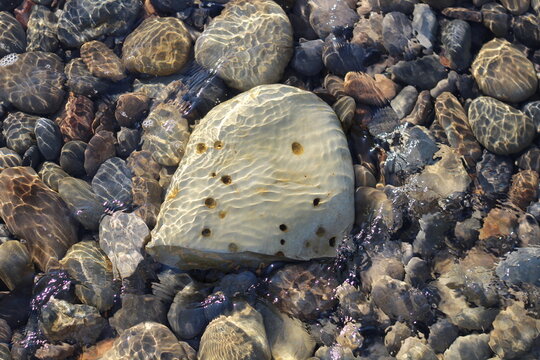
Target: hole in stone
(316, 202)
(332, 242)
(210, 203)
(213, 174)
(320, 231)
(280, 253)
(283, 227)
(282, 241)
(218, 145)
(297, 148)
(201, 147)
(206, 232)
(222, 214)
(307, 244)
(233, 247)
(226, 179)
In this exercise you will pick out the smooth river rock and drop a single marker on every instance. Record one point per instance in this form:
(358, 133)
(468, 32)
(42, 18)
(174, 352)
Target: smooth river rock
(248, 44)
(250, 178)
(31, 209)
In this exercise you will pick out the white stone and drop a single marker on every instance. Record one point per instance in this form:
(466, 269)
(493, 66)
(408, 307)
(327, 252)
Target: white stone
(266, 175)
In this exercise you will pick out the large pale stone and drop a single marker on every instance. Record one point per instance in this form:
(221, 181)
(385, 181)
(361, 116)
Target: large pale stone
(265, 175)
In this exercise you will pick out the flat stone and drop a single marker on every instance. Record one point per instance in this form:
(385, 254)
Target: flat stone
(502, 71)
(159, 46)
(237, 34)
(84, 20)
(122, 237)
(87, 264)
(30, 209)
(33, 81)
(302, 225)
(499, 127)
(81, 200)
(461, 13)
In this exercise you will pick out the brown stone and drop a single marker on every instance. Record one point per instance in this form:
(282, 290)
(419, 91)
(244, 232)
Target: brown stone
(365, 89)
(37, 214)
(76, 120)
(102, 61)
(131, 108)
(100, 148)
(142, 163)
(463, 14)
(524, 188)
(147, 198)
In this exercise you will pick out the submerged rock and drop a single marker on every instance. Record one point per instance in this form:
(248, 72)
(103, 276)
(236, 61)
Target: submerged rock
(30, 209)
(248, 44)
(245, 177)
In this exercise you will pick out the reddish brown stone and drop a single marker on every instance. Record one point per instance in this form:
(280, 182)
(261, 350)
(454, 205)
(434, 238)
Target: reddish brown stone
(37, 214)
(131, 108)
(100, 148)
(104, 119)
(76, 120)
(524, 188)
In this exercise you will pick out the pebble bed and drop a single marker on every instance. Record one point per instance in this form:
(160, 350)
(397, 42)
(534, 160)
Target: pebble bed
(260, 179)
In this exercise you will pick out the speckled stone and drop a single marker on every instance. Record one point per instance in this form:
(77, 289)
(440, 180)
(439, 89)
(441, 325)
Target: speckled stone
(112, 184)
(502, 71)
(149, 340)
(76, 120)
(524, 188)
(452, 118)
(48, 138)
(33, 81)
(159, 46)
(51, 174)
(60, 321)
(100, 148)
(31, 209)
(84, 20)
(9, 158)
(122, 237)
(101, 61)
(81, 81)
(165, 134)
(87, 264)
(72, 158)
(81, 200)
(231, 44)
(499, 127)
(42, 29)
(18, 128)
(12, 36)
(131, 108)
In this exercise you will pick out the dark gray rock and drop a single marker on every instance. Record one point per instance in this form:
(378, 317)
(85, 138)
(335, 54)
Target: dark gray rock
(128, 140)
(417, 272)
(32, 157)
(383, 121)
(137, 309)
(307, 58)
(327, 15)
(425, 26)
(424, 73)
(496, 19)
(81, 201)
(522, 265)
(473, 347)
(456, 43)
(441, 335)
(112, 184)
(72, 158)
(532, 110)
(527, 29)
(48, 138)
(494, 173)
(341, 56)
(404, 102)
(42, 30)
(398, 38)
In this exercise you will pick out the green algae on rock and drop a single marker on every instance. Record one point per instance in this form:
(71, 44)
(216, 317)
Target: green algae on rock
(251, 179)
